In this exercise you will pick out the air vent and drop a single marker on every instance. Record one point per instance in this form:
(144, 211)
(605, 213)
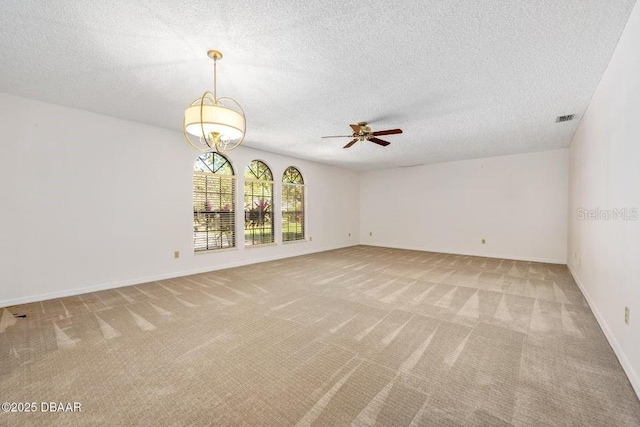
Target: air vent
(566, 118)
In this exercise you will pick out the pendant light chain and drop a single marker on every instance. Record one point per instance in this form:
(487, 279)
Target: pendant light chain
(215, 77)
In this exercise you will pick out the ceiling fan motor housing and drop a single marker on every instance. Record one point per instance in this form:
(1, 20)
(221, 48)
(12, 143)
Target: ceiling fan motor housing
(364, 133)
(364, 128)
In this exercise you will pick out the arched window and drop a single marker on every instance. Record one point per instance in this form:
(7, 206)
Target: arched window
(258, 204)
(292, 205)
(214, 205)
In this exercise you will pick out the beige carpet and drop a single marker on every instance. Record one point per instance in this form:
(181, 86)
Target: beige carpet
(358, 336)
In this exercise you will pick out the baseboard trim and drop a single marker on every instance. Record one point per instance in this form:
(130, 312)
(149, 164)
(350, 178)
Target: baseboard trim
(634, 379)
(140, 280)
(468, 253)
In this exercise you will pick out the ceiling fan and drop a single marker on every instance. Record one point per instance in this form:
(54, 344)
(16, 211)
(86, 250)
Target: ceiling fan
(362, 132)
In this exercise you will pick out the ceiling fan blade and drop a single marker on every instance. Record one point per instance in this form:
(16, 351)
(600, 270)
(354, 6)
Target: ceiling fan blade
(356, 128)
(386, 132)
(379, 141)
(351, 143)
(338, 136)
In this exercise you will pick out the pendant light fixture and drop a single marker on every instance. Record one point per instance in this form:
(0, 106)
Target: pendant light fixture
(208, 124)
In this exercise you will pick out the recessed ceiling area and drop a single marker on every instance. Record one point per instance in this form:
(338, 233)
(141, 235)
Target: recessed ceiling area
(463, 79)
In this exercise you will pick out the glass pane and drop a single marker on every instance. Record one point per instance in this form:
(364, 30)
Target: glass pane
(213, 163)
(258, 170)
(258, 220)
(292, 212)
(292, 176)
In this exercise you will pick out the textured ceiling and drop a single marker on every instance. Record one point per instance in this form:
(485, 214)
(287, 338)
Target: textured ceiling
(463, 79)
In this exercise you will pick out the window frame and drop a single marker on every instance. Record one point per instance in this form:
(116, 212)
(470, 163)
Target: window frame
(285, 201)
(219, 223)
(255, 218)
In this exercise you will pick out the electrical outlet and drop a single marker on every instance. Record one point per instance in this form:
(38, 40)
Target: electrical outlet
(176, 254)
(484, 241)
(626, 315)
(370, 233)
(349, 234)
(310, 239)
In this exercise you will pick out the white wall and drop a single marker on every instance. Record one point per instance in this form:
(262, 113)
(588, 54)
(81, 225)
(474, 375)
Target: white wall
(89, 201)
(517, 203)
(604, 255)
